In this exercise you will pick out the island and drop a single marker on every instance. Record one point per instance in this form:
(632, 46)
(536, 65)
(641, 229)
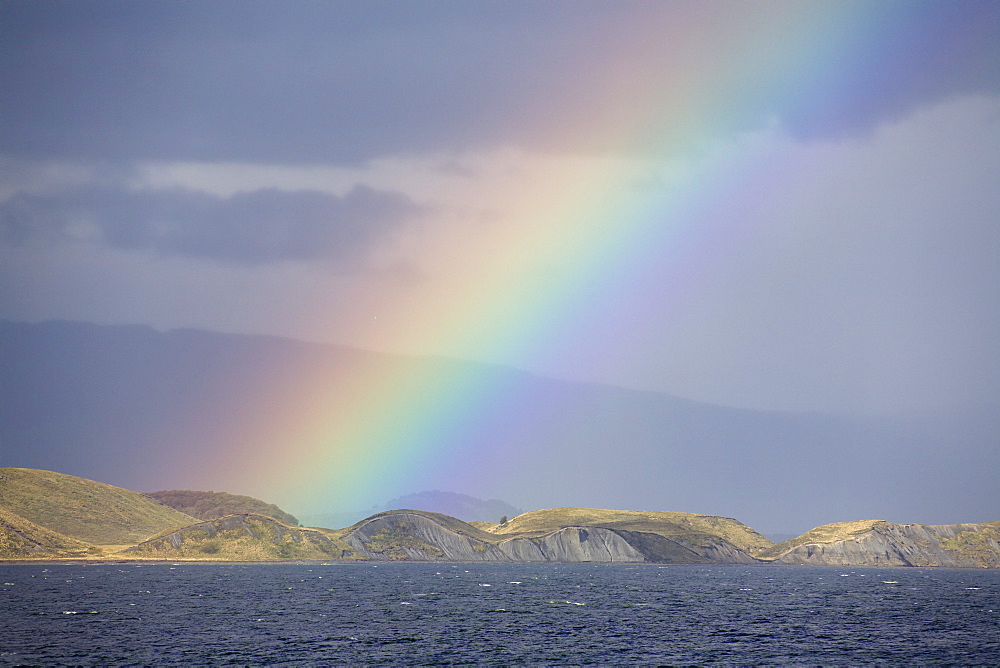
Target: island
(46, 515)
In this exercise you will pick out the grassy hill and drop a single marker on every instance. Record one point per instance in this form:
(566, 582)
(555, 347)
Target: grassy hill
(23, 539)
(209, 505)
(84, 509)
(663, 523)
(242, 537)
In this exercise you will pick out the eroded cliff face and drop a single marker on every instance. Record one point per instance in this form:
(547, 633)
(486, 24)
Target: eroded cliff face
(411, 536)
(405, 535)
(573, 544)
(889, 544)
(401, 536)
(686, 549)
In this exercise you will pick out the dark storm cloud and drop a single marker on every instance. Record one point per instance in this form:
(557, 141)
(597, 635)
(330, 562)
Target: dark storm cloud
(915, 58)
(346, 82)
(250, 227)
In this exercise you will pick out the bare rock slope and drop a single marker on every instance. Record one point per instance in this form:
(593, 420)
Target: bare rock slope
(880, 543)
(595, 536)
(608, 536)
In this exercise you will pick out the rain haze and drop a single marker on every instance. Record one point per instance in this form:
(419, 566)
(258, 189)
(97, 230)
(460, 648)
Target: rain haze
(781, 216)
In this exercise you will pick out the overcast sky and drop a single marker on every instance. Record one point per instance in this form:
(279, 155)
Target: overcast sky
(782, 205)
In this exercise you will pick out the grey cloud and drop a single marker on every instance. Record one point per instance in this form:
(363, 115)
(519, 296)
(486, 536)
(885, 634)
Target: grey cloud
(348, 82)
(250, 227)
(915, 59)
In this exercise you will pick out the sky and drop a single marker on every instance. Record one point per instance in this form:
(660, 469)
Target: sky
(777, 206)
(774, 205)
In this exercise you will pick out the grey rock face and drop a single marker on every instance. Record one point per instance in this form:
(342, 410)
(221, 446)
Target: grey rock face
(414, 536)
(403, 535)
(411, 535)
(888, 544)
(573, 544)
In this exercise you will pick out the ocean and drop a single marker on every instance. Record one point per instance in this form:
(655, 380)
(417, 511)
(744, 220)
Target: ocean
(516, 614)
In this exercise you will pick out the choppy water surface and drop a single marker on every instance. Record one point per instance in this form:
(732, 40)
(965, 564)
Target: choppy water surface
(112, 614)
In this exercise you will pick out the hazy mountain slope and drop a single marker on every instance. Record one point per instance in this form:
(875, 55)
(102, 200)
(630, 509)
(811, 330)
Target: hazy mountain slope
(462, 506)
(209, 505)
(880, 543)
(84, 509)
(161, 410)
(22, 539)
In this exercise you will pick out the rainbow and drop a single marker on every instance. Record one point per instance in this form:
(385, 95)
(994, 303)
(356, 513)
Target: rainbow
(337, 441)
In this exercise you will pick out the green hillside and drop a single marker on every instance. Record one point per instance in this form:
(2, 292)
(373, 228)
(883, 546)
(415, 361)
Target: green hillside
(84, 509)
(242, 537)
(23, 539)
(209, 505)
(663, 523)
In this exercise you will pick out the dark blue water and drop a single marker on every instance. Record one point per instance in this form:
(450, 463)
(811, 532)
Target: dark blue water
(219, 614)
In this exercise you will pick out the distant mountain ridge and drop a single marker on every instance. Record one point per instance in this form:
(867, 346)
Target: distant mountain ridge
(462, 506)
(153, 410)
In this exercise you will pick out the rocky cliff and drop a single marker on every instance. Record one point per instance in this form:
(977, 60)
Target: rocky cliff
(691, 531)
(423, 536)
(52, 515)
(880, 543)
(411, 535)
(574, 544)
